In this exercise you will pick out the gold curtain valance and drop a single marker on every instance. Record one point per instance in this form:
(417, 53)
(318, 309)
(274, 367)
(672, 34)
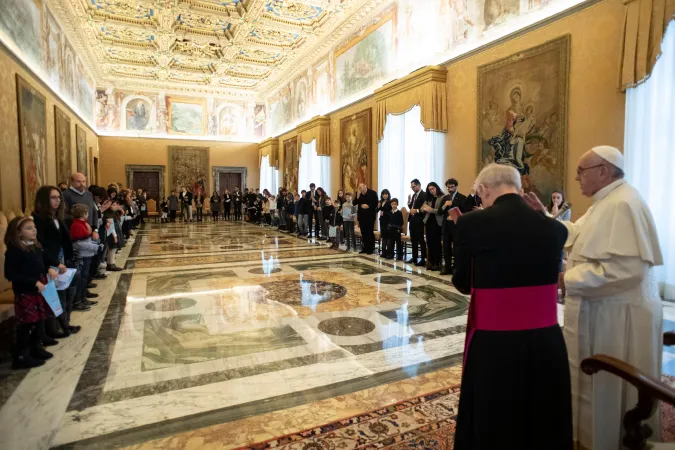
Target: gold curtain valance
(317, 128)
(424, 87)
(643, 29)
(269, 147)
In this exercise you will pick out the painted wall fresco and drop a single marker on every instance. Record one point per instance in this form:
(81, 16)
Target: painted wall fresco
(406, 36)
(145, 113)
(29, 28)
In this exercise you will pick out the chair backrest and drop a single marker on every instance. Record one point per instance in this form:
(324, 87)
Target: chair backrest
(152, 205)
(207, 203)
(4, 284)
(406, 214)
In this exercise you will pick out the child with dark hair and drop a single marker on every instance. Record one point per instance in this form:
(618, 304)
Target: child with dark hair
(394, 229)
(85, 247)
(25, 268)
(164, 206)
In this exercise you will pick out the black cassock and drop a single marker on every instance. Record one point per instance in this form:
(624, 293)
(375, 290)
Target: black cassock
(516, 391)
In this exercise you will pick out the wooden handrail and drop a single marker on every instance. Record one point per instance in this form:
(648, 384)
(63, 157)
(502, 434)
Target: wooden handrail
(649, 390)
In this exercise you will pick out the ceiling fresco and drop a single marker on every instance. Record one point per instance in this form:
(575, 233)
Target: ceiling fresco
(193, 45)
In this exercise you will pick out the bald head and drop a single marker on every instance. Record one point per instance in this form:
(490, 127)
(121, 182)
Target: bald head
(595, 172)
(78, 181)
(363, 188)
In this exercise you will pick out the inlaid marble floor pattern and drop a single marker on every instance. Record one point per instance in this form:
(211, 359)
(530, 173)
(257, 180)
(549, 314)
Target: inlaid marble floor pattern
(217, 323)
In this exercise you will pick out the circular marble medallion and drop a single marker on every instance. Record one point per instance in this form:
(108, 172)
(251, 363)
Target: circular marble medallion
(171, 304)
(303, 292)
(392, 279)
(261, 271)
(346, 326)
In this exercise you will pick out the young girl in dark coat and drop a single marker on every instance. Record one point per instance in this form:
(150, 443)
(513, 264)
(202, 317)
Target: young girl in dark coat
(384, 211)
(25, 268)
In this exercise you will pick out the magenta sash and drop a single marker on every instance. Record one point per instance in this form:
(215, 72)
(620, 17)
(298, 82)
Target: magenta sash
(511, 309)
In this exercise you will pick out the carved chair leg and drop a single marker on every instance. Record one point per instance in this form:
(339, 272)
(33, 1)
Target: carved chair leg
(637, 433)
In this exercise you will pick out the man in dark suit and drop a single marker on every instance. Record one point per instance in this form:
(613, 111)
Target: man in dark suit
(314, 217)
(366, 201)
(455, 200)
(415, 220)
(508, 257)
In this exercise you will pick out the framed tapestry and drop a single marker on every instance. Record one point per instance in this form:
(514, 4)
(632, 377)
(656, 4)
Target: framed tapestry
(291, 164)
(522, 115)
(32, 110)
(188, 167)
(63, 153)
(81, 149)
(356, 150)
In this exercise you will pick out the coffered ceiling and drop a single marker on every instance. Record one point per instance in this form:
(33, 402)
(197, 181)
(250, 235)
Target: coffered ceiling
(229, 47)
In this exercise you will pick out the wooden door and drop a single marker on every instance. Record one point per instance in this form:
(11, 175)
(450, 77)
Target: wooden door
(148, 181)
(229, 181)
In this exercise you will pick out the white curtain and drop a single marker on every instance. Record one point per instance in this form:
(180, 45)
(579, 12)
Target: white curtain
(269, 176)
(313, 168)
(650, 152)
(407, 152)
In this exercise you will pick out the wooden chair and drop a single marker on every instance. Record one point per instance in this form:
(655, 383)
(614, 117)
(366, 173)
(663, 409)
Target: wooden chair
(152, 210)
(405, 235)
(649, 390)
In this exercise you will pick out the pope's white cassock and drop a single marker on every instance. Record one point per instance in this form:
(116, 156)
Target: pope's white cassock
(612, 307)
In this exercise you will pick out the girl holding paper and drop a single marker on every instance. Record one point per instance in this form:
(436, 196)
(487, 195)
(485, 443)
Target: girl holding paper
(25, 268)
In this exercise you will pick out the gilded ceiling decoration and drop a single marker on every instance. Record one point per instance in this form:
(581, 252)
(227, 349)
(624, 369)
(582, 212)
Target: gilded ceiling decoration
(235, 47)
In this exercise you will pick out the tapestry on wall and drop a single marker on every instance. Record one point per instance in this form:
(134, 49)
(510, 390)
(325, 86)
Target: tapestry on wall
(291, 164)
(63, 153)
(522, 115)
(81, 148)
(355, 150)
(189, 167)
(32, 110)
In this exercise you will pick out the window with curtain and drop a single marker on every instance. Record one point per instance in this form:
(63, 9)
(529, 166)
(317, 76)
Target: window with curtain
(269, 176)
(649, 154)
(407, 152)
(313, 168)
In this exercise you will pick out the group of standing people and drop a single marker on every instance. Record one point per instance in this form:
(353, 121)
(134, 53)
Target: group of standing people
(189, 207)
(71, 227)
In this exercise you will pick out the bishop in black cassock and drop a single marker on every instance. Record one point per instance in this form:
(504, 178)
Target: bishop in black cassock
(516, 389)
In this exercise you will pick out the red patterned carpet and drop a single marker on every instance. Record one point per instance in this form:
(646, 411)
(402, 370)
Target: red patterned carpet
(425, 422)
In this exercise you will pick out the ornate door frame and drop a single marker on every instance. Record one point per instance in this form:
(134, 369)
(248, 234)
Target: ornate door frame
(131, 168)
(217, 170)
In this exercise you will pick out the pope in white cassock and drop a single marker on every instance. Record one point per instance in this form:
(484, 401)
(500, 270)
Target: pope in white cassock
(612, 305)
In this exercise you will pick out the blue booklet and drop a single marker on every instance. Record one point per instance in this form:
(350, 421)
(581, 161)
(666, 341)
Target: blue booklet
(63, 280)
(52, 298)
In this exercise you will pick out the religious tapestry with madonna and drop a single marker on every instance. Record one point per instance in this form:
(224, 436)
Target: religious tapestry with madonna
(522, 115)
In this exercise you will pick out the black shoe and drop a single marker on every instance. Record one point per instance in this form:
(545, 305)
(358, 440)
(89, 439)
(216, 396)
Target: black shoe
(91, 285)
(81, 307)
(48, 342)
(363, 252)
(91, 295)
(100, 276)
(445, 272)
(25, 361)
(114, 269)
(388, 257)
(421, 263)
(412, 261)
(74, 329)
(399, 259)
(40, 353)
(435, 268)
(90, 302)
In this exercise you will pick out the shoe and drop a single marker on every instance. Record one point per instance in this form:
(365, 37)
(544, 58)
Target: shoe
(74, 329)
(399, 259)
(40, 354)
(114, 269)
(435, 268)
(49, 342)
(421, 263)
(81, 307)
(411, 261)
(363, 252)
(89, 302)
(445, 272)
(100, 276)
(388, 257)
(25, 361)
(91, 285)
(348, 249)
(91, 295)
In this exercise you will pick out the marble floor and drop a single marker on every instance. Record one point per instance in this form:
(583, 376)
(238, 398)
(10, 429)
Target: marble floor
(219, 335)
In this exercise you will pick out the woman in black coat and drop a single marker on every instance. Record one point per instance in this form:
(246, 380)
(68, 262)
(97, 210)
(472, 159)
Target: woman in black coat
(54, 236)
